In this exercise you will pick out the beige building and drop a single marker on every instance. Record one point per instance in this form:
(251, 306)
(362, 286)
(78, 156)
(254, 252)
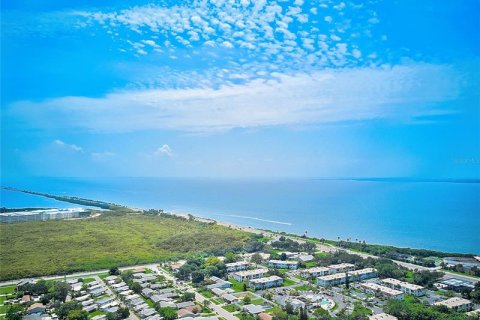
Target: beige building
(456, 303)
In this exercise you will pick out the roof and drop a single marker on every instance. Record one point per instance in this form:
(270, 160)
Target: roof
(253, 309)
(229, 297)
(402, 284)
(36, 306)
(247, 273)
(341, 266)
(185, 304)
(282, 262)
(385, 290)
(264, 316)
(317, 269)
(453, 302)
(382, 316)
(306, 257)
(184, 312)
(237, 264)
(266, 279)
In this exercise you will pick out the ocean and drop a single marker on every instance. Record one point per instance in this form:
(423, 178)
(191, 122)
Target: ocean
(432, 215)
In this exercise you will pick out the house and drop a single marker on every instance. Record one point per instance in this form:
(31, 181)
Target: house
(250, 274)
(148, 292)
(408, 288)
(267, 282)
(154, 317)
(264, 316)
(147, 312)
(185, 304)
(90, 308)
(111, 278)
(237, 266)
(87, 302)
(456, 303)
(218, 283)
(36, 308)
(341, 267)
(171, 304)
(26, 298)
(98, 292)
(218, 292)
(382, 316)
(253, 309)
(182, 313)
(283, 300)
(105, 301)
(229, 298)
(455, 284)
(280, 264)
(316, 272)
(305, 257)
(157, 298)
(341, 278)
(82, 298)
(377, 289)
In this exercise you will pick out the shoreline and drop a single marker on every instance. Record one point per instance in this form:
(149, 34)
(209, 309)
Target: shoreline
(103, 205)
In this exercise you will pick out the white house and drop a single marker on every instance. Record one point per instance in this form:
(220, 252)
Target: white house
(456, 303)
(237, 266)
(250, 274)
(267, 282)
(408, 288)
(280, 264)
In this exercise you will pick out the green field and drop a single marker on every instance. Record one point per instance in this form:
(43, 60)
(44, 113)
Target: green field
(7, 289)
(56, 247)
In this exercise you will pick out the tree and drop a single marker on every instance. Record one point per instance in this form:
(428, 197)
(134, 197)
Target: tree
(40, 287)
(15, 312)
(230, 257)
(321, 314)
(302, 314)
(136, 287)
(244, 286)
(168, 313)
(114, 271)
(111, 316)
(188, 296)
(289, 308)
(197, 277)
(77, 314)
(246, 300)
(123, 313)
(212, 261)
(347, 281)
(61, 291)
(256, 258)
(283, 256)
(64, 309)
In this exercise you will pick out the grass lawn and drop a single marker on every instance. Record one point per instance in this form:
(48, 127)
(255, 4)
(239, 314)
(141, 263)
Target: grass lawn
(3, 308)
(95, 313)
(229, 307)
(237, 286)
(2, 299)
(258, 302)
(288, 282)
(7, 290)
(216, 300)
(206, 293)
(88, 280)
(106, 241)
(303, 287)
(150, 303)
(409, 276)
(310, 264)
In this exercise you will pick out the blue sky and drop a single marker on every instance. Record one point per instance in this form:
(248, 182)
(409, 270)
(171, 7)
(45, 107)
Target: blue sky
(241, 88)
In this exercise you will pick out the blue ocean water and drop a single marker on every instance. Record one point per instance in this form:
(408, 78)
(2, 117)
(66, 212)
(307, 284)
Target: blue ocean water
(433, 215)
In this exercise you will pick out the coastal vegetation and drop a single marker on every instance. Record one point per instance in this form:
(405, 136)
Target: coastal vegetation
(41, 248)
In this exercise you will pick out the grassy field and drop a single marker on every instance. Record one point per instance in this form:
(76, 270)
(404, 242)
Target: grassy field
(55, 247)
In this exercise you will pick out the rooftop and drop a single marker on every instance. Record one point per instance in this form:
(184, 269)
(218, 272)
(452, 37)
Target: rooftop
(246, 273)
(403, 284)
(266, 279)
(453, 302)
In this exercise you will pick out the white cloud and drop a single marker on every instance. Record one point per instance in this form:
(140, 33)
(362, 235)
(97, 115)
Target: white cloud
(164, 150)
(72, 147)
(102, 156)
(399, 93)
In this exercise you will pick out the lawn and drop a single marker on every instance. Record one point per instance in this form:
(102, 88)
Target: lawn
(7, 290)
(288, 282)
(237, 286)
(230, 308)
(206, 293)
(258, 302)
(88, 280)
(3, 308)
(310, 264)
(303, 287)
(109, 240)
(95, 313)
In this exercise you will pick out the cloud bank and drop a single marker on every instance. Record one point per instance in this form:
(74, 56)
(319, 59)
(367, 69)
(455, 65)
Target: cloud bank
(400, 93)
